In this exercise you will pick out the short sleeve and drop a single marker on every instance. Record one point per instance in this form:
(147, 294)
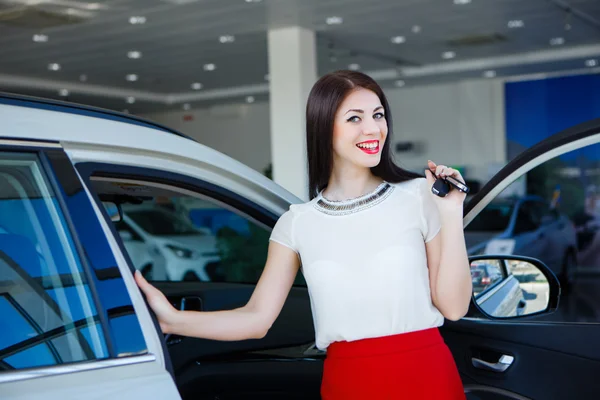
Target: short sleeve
(283, 232)
(430, 214)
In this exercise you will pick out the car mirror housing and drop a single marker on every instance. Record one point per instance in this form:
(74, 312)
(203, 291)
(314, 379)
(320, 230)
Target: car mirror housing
(113, 210)
(510, 287)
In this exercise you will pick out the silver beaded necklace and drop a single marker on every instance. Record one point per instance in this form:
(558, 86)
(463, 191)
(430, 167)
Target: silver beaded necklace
(352, 206)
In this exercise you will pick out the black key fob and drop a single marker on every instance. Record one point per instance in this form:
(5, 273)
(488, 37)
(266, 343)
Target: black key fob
(457, 184)
(440, 188)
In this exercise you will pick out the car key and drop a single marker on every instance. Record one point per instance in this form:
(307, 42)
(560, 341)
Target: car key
(442, 186)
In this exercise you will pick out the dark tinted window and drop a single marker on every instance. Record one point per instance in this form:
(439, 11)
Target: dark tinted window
(526, 218)
(494, 218)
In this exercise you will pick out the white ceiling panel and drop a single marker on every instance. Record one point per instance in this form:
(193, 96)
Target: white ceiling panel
(180, 36)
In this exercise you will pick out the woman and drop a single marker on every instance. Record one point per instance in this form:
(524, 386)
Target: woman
(384, 259)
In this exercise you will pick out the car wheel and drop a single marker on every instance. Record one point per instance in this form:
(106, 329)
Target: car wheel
(568, 268)
(190, 277)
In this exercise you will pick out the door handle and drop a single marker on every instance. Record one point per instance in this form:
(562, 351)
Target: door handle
(502, 365)
(191, 303)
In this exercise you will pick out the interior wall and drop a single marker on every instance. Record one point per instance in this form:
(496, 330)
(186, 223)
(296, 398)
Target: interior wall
(456, 124)
(241, 131)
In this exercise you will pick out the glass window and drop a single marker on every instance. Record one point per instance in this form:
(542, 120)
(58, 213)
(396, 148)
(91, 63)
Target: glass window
(558, 223)
(48, 316)
(125, 339)
(188, 238)
(485, 274)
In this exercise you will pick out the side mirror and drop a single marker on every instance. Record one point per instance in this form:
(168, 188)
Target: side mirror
(113, 210)
(507, 287)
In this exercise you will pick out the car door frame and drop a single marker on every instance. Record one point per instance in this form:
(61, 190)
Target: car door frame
(134, 375)
(528, 333)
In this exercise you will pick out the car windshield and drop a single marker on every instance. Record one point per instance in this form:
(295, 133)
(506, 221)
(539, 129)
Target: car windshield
(494, 218)
(157, 222)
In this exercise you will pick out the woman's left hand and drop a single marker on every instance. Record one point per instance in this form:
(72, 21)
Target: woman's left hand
(455, 198)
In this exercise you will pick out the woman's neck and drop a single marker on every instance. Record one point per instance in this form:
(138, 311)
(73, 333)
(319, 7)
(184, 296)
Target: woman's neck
(345, 185)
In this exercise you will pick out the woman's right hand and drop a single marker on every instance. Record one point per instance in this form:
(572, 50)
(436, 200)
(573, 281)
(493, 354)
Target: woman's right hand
(165, 312)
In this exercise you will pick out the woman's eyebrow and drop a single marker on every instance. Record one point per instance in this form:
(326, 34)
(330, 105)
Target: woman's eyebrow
(358, 110)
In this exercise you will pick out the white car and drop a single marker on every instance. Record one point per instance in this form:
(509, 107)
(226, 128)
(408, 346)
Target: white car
(167, 247)
(74, 325)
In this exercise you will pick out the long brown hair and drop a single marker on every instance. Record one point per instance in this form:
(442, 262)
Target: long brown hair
(325, 98)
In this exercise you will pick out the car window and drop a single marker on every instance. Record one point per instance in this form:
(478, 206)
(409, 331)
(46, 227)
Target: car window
(190, 237)
(569, 187)
(494, 218)
(158, 222)
(526, 218)
(48, 313)
(127, 232)
(123, 330)
(486, 274)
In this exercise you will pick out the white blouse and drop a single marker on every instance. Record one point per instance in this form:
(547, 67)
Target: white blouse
(364, 261)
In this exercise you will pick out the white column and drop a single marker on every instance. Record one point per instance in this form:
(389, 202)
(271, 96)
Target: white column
(293, 71)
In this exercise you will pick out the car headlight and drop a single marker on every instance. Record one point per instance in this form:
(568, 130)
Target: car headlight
(181, 252)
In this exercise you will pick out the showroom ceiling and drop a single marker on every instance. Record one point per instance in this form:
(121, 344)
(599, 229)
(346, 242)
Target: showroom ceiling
(143, 54)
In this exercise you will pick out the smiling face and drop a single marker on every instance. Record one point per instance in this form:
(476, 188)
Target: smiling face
(359, 130)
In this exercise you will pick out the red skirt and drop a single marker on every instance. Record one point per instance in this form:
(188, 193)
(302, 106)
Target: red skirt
(415, 366)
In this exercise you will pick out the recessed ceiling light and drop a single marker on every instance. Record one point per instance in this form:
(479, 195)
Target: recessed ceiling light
(400, 83)
(591, 63)
(39, 38)
(210, 67)
(130, 100)
(416, 29)
(461, 2)
(54, 67)
(137, 20)
(557, 41)
(253, 1)
(134, 54)
(489, 74)
(250, 99)
(354, 67)
(63, 92)
(83, 77)
(187, 107)
(516, 23)
(131, 77)
(227, 39)
(334, 20)
(448, 55)
(196, 86)
(398, 39)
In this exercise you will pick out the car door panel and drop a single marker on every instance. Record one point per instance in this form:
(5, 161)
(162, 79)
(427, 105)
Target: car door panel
(200, 366)
(556, 356)
(137, 380)
(294, 327)
(277, 366)
(61, 260)
(539, 352)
